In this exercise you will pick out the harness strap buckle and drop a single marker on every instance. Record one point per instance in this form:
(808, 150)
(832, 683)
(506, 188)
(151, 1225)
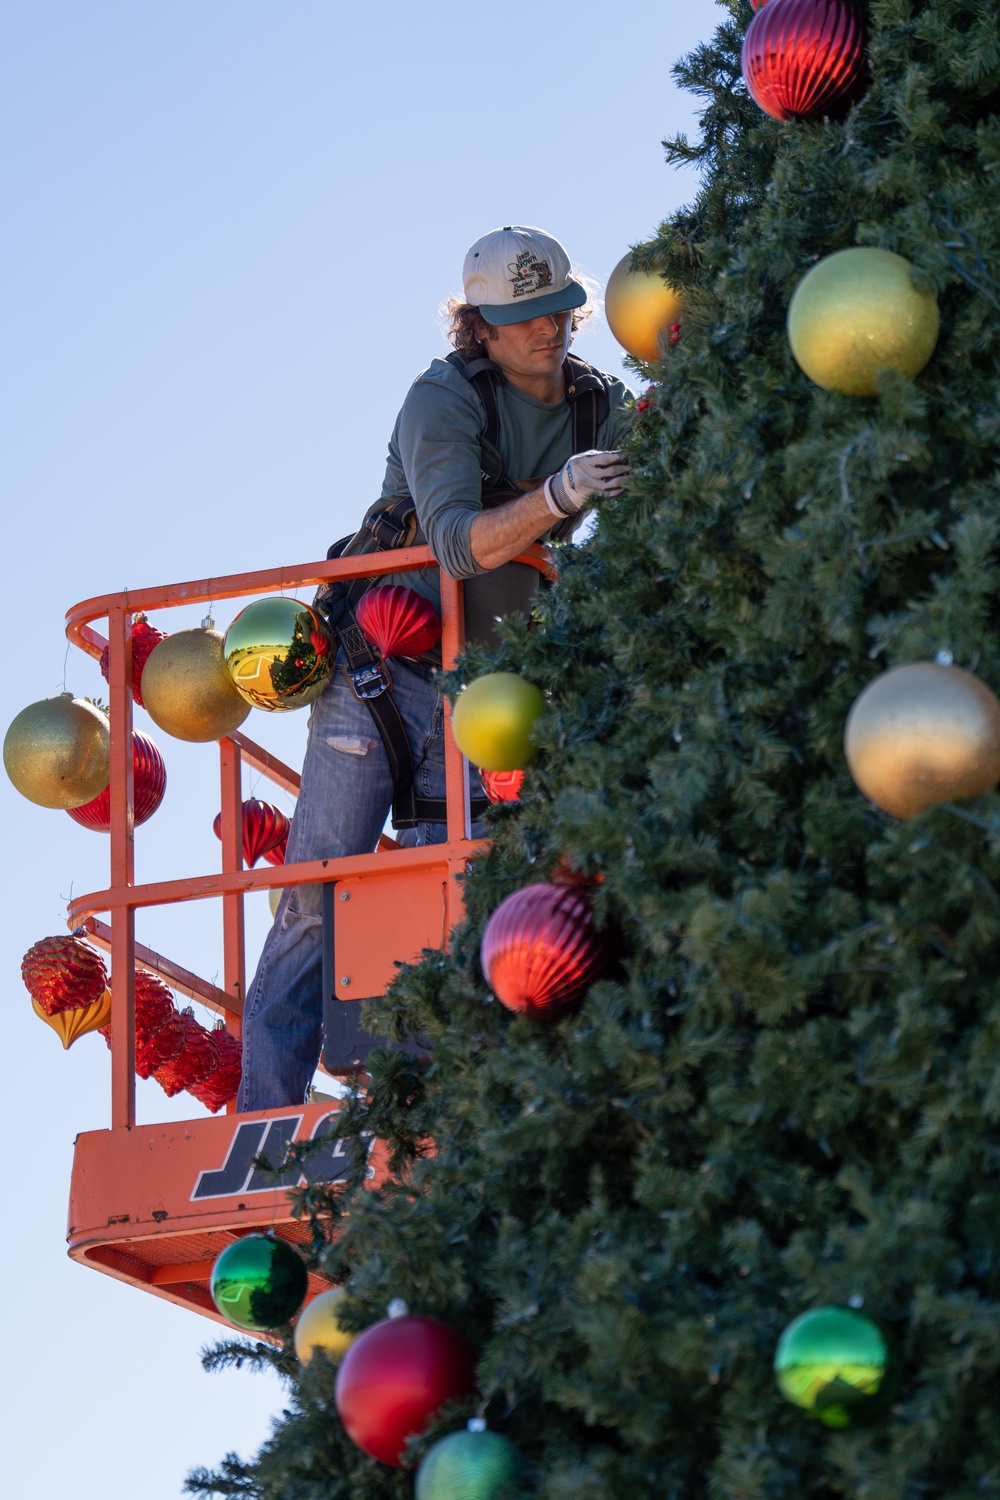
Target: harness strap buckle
(369, 681)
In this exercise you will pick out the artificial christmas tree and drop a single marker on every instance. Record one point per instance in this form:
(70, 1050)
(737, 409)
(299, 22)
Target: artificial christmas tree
(788, 1097)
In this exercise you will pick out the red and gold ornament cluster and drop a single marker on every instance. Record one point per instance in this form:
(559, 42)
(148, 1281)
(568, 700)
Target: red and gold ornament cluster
(172, 1047)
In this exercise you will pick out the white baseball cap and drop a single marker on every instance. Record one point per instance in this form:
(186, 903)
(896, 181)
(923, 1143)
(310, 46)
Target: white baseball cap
(515, 273)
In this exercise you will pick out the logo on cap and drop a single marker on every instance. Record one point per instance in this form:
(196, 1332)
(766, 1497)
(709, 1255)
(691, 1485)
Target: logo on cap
(528, 273)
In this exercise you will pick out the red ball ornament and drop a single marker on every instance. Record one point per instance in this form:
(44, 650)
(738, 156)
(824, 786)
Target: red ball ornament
(395, 1378)
(197, 1059)
(398, 620)
(144, 638)
(63, 973)
(264, 828)
(502, 786)
(803, 59)
(222, 1085)
(149, 782)
(541, 950)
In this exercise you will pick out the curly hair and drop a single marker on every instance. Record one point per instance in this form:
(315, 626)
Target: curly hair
(470, 333)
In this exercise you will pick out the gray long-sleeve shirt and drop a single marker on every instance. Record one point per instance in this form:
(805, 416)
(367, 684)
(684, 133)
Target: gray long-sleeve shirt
(434, 455)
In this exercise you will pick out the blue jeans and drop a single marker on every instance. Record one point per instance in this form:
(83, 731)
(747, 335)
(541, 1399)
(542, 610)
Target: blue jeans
(344, 800)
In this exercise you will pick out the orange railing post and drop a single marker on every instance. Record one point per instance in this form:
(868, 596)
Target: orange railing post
(122, 868)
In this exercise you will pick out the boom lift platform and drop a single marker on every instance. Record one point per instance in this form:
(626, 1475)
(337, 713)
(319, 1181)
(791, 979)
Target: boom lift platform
(154, 1205)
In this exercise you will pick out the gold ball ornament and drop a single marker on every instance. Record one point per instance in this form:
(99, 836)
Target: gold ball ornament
(492, 721)
(858, 312)
(640, 307)
(316, 1327)
(923, 734)
(57, 752)
(278, 654)
(186, 689)
(70, 1024)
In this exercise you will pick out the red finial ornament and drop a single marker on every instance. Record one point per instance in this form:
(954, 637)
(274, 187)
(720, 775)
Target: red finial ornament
(144, 638)
(221, 1086)
(149, 782)
(265, 827)
(541, 951)
(803, 59)
(399, 621)
(196, 1061)
(63, 973)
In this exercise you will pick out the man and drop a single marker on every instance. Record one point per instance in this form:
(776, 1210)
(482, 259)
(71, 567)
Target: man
(506, 403)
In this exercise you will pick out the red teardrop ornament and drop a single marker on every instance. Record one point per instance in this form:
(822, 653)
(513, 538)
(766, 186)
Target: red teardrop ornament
(265, 827)
(276, 856)
(803, 59)
(502, 786)
(395, 1378)
(541, 950)
(144, 638)
(149, 782)
(63, 973)
(399, 621)
(221, 1086)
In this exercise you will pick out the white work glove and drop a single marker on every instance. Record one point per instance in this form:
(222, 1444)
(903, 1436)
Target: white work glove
(600, 472)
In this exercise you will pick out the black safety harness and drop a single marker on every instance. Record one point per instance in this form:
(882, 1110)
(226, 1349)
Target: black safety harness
(395, 525)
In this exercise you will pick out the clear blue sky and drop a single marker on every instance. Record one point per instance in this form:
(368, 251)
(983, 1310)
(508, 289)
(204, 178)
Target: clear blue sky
(228, 227)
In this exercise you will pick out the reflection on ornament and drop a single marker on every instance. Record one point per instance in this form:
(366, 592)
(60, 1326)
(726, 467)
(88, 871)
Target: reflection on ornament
(541, 950)
(858, 312)
(264, 828)
(493, 718)
(144, 638)
(57, 752)
(471, 1465)
(277, 654)
(258, 1283)
(63, 973)
(640, 308)
(187, 690)
(836, 1364)
(804, 59)
(316, 1327)
(923, 734)
(502, 786)
(69, 1024)
(398, 620)
(395, 1378)
(149, 782)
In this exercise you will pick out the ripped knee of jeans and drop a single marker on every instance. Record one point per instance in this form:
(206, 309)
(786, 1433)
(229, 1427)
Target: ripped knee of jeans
(350, 744)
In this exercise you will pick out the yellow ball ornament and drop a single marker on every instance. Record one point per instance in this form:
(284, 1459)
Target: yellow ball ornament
(186, 689)
(492, 721)
(57, 752)
(858, 312)
(640, 307)
(278, 654)
(923, 734)
(316, 1327)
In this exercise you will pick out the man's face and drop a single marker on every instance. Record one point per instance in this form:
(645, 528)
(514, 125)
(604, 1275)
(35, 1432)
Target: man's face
(537, 347)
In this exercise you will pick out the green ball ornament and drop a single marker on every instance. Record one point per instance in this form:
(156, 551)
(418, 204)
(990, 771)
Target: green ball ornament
(472, 1465)
(492, 721)
(837, 1365)
(258, 1283)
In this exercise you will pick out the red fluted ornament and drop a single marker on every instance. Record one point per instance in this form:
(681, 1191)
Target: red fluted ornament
(144, 638)
(63, 973)
(502, 786)
(803, 59)
(395, 1378)
(276, 856)
(196, 1061)
(398, 620)
(264, 828)
(541, 950)
(221, 1086)
(149, 782)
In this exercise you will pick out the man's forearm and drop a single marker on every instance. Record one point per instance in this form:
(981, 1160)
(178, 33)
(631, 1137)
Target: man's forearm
(499, 534)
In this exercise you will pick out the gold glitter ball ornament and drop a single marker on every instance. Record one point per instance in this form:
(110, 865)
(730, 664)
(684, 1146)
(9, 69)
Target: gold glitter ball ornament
(923, 734)
(57, 752)
(278, 654)
(186, 689)
(316, 1327)
(640, 307)
(858, 312)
